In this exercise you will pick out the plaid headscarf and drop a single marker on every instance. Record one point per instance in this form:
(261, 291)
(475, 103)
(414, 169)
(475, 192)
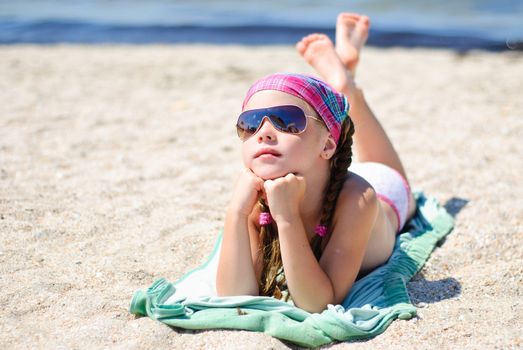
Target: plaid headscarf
(330, 105)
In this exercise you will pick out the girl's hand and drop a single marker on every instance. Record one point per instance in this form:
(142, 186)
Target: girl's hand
(284, 195)
(248, 190)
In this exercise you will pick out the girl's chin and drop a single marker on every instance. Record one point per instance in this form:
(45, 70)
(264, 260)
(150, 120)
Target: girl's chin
(265, 174)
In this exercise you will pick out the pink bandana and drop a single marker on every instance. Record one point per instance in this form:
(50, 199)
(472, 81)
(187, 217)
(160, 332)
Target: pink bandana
(330, 105)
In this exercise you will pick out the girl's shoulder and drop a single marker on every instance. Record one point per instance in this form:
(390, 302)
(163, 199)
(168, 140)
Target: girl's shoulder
(356, 186)
(357, 198)
(352, 226)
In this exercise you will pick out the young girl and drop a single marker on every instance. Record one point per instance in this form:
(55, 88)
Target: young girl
(301, 222)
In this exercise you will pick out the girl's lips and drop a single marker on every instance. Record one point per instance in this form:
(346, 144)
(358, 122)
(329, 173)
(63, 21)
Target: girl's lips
(267, 152)
(267, 156)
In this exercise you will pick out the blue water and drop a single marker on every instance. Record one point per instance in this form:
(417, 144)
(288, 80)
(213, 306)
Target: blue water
(461, 24)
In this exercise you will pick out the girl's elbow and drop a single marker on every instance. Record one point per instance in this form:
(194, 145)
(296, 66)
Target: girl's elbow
(316, 305)
(314, 308)
(317, 309)
(224, 290)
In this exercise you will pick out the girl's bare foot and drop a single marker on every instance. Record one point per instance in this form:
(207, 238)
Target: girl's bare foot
(318, 50)
(352, 31)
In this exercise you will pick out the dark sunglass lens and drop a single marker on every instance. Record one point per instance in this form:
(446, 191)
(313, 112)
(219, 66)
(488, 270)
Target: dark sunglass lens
(289, 119)
(248, 123)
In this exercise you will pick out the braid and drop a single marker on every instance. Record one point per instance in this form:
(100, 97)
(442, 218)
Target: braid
(340, 162)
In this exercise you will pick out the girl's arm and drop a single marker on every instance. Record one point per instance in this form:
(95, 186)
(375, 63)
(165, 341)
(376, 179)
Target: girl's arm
(313, 285)
(310, 287)
(356, 214)
(236, 274)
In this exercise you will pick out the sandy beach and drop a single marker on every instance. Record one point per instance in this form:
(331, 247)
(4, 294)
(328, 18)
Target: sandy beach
(116, 164)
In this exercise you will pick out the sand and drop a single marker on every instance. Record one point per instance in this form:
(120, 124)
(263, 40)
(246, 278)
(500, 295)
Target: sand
(116, 164)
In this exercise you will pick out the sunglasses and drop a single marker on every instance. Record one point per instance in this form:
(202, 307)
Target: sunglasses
(288, 119)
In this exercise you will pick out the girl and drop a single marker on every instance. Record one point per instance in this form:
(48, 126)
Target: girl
(299, 222)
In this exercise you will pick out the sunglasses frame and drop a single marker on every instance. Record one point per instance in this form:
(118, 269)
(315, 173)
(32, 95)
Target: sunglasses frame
(241, 133)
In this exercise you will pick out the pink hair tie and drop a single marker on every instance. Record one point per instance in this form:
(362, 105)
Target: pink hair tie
(321, 230)
(265, 219)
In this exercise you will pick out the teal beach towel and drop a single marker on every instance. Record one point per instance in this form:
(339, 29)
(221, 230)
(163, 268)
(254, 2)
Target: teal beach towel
(372, 304)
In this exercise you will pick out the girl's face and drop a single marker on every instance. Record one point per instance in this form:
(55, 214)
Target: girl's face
(270, 153)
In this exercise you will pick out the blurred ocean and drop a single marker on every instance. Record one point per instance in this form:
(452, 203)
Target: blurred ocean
(460, 24)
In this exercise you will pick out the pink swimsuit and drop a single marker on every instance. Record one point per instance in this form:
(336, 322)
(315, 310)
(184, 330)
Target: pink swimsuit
(389, 185)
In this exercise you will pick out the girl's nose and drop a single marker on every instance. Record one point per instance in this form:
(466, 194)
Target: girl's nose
(266, 132)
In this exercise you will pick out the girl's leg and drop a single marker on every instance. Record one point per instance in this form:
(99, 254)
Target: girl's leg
(371, 143)
(352, 31)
